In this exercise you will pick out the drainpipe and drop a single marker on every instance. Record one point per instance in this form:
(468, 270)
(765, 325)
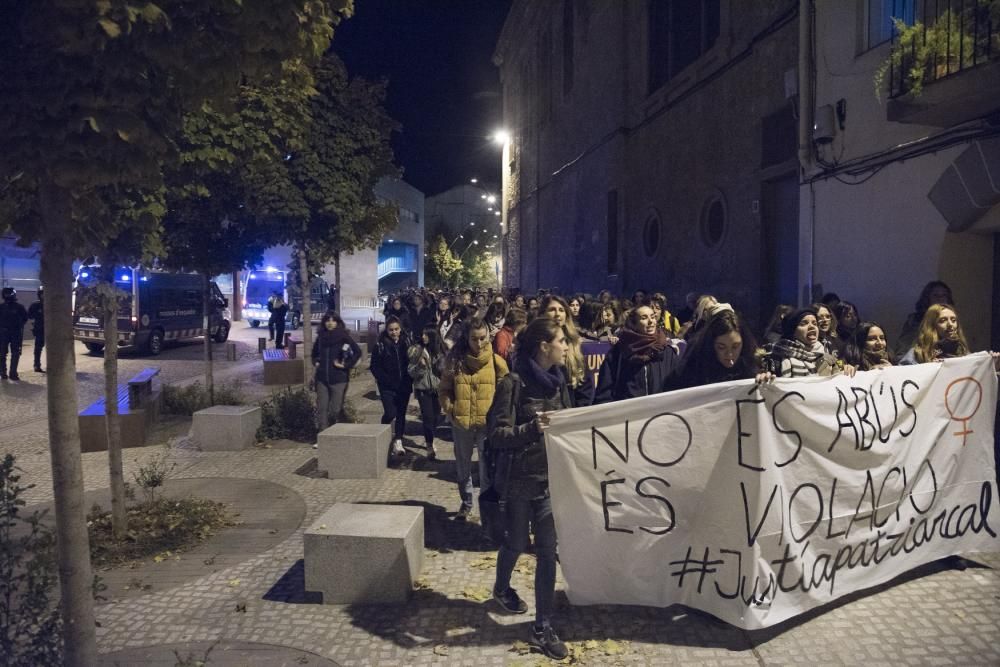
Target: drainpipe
(805, 134)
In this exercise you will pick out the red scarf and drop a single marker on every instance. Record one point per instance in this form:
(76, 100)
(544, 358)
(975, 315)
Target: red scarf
(642, 348)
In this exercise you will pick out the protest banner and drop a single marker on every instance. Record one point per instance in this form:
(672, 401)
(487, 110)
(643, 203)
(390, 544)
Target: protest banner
(594, 352)
(756, 504)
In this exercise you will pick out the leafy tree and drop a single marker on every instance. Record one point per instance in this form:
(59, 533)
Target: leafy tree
(231, 175)
(91, 94)
(478, 270)
(345, 151)
(442, 269)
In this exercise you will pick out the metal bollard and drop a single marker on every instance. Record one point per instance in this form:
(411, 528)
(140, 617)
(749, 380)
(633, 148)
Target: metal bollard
(230, 351)
(293, 346)
(261, 345)
(288, 339)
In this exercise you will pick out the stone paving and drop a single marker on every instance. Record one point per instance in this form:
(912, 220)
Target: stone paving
(254, 610)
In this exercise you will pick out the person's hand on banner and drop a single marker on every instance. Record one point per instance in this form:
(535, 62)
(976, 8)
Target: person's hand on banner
(543, 420)
(996, 360)
(850, 371)
(765, 378)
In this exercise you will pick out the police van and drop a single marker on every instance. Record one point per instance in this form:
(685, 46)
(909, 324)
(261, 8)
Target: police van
(157, 307)
(260, 285)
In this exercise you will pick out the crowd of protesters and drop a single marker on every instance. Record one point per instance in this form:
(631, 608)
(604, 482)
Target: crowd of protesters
(495, 365)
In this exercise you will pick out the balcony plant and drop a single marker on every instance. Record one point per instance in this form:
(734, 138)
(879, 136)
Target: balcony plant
(927, 51)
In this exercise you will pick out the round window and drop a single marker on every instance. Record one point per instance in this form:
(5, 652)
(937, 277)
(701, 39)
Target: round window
(651, 235)
(713, 222)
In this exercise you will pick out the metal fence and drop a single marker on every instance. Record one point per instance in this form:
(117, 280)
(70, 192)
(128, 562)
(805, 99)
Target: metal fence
(945, 38)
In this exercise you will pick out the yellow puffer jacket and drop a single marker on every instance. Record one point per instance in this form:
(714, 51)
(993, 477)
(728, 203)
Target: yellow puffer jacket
(467, 388)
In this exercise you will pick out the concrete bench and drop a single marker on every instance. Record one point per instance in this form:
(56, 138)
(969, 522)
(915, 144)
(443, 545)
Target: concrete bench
(279, 368)
(354, 451)
(226, 427)
(139, 400)
(365, 554)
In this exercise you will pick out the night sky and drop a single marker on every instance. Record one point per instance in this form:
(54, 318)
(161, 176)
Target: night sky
(443, 87)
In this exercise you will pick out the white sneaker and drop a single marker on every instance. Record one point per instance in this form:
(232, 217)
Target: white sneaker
(397, 447)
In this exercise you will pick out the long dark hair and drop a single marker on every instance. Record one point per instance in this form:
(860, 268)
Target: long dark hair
(325, 337)
(434, 346)
(839, 310)
(854, 353)
(700, 364)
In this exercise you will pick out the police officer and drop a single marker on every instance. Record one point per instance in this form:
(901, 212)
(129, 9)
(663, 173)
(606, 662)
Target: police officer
(13, 317)
(36, 313)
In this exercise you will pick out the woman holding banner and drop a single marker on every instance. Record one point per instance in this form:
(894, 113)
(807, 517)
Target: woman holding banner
(800, 353)
(516, 420)
(724, 350)
(641, 362)
(868, 350)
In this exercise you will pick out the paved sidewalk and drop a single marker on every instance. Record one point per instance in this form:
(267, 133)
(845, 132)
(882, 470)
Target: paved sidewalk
(254, 609)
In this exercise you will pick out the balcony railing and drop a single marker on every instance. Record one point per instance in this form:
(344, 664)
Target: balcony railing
(946, 38)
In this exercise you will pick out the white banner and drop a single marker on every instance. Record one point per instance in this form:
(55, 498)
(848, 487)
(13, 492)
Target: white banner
(756, 505)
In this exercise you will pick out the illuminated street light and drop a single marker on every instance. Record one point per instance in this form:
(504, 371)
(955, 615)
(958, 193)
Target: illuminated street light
(501, 137)
(473, 180)
(483, 196)
(467, 249)
(491, 199)
(460, 236)
(496, 212)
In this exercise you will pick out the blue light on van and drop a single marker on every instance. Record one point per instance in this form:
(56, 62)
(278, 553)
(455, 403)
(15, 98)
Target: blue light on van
(271, 269)
(84, 274)
(253, 275)
(125, 277)
(144, 278)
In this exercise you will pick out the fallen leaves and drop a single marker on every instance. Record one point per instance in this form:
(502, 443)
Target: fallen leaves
(479, 594)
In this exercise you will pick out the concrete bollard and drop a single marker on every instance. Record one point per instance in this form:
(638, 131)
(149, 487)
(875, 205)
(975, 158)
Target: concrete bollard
(288, 339)
(230, 351)
(293, 347)
(261, 345)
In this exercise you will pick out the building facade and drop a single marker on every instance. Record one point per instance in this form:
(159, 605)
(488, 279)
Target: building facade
(669, 144)
(463, 214)
(904, 188)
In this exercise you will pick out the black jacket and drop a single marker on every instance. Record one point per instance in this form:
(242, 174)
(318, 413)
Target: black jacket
(416, 322)
(36, 312)
(389, 363)
(13, 317)
(514, 432)
(620, 379)
(331, 346)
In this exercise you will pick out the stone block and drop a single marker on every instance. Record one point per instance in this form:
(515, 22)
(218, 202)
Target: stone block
(226, 427)
(365, 554)
(279, 369)
(354, 451)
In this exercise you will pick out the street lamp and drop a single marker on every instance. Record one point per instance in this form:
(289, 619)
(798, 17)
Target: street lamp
(492, 199)
(460, 236)
(501, 137)
(467, 249)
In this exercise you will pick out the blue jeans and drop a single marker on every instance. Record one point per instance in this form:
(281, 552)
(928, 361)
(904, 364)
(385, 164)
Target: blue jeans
(467, 441)
(538, 512)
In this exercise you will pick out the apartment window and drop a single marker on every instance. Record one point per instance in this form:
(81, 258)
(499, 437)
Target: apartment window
(879, 15)
(612, 219)
(712, 226)
(568, 45)
(680, 32)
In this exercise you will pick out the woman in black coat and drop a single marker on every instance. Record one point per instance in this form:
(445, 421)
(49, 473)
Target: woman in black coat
(389, 363)
(523, 399)
(641, 362)
(334, 354)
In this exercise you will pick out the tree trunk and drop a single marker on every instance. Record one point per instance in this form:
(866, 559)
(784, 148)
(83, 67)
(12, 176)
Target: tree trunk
(206, 301)
(237, 305)
(76, 579)
(306, 316)
(112, 420)
(336, 279)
